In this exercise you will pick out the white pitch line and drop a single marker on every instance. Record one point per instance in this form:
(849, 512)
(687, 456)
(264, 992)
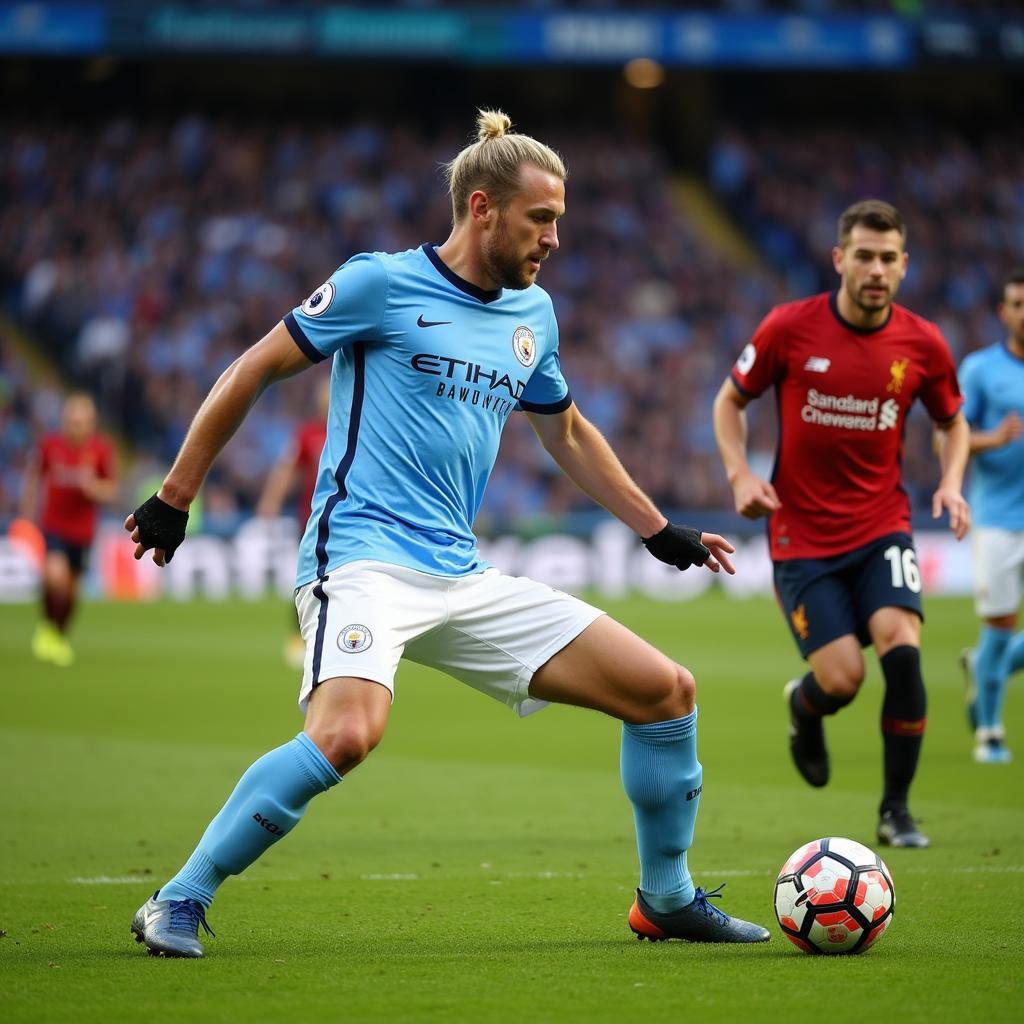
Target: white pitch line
(980, 869)
(107, 880)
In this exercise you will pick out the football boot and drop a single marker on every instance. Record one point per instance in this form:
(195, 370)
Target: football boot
(990, 747)
(896, 827)
(170, 927)
(807, 742)
(698, 921)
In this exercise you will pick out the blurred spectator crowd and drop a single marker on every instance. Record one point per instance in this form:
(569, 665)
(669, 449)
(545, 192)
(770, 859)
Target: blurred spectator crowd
(145, 256)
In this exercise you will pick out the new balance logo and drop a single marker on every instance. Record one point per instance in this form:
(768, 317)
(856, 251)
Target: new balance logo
(274, 830)
(431, 323)
(817, 364)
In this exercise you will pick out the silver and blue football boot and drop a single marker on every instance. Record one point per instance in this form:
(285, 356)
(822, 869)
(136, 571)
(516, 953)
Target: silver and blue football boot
(170, 927)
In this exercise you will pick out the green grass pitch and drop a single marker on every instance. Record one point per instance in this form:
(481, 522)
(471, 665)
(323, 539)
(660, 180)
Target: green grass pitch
(477, 867)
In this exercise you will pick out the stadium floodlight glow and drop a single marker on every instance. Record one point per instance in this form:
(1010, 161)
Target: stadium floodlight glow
(643, 73)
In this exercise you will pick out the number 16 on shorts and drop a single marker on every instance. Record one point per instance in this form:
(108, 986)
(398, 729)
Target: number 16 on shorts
(903, 565)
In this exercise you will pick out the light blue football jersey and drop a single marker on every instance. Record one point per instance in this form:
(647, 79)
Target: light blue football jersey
(427, 370)
(992, 381)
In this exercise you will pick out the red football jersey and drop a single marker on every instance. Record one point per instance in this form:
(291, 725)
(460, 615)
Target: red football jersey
(66, 511)
(309, 443)
(843, 397)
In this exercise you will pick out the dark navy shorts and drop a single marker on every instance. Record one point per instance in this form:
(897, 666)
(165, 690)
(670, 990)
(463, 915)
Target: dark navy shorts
(75, 553)
(826, 598)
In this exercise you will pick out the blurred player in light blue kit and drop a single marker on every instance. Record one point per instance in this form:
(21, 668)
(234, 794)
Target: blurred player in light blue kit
(433, 350)
(993, 385)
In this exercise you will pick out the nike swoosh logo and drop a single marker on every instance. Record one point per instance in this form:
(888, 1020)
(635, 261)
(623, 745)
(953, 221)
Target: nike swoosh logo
(431, 323)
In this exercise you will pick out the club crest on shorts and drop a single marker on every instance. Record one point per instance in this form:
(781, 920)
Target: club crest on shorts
(355, 638)
(320, 301)
(524, 344)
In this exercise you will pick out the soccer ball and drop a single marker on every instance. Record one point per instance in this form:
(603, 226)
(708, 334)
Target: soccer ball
(834, 896)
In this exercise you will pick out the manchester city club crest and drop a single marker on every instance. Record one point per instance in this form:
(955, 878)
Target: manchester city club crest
(320, 301)
(355, 638)
(524, 344)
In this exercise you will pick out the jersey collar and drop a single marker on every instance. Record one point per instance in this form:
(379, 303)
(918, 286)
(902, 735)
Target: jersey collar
(1013, 355)
(833, 304)
(482, 294)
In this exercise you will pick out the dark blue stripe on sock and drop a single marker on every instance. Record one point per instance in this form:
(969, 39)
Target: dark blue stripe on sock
(321, 628)
(341, 492)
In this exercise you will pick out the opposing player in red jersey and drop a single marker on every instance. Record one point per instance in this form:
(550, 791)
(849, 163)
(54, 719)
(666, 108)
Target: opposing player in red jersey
(846, 367)
(76, 471)
(301, 464)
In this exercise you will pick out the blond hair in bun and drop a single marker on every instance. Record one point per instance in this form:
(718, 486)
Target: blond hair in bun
(492, 163)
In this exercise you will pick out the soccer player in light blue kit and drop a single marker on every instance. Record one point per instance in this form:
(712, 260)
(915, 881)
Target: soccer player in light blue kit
(992, 380)
(433, 350)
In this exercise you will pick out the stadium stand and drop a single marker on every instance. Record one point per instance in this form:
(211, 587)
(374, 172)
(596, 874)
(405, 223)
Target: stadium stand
(144, 257)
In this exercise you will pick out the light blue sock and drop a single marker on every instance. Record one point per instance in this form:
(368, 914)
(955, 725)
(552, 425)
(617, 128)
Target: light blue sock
(662, 778)
(265, 806)
(1013, 660)
(991, 679)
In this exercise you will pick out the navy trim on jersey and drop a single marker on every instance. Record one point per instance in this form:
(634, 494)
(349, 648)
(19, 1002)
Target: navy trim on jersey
(740, 388)
(321, 628)
(547, 408)
(323, 528)
(460, 282)
(309, 350)
(833, 304)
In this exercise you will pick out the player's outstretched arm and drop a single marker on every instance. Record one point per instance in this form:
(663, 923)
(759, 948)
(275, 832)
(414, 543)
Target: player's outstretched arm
(1010, 428)
(587, 459)
(753, 496)
(159, 523)
(953, 443)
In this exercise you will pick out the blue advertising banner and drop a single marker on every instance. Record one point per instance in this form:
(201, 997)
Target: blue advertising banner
(52, 28)
(710, 40)
(496, 35)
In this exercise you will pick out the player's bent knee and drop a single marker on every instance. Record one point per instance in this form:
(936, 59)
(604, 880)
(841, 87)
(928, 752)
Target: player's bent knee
(686, 689)
(675, 697)
(841, 681)
(345, 744)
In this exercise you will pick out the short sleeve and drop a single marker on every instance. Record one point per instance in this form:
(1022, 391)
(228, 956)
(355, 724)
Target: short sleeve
(760, 364)
(546, 391)
(348, 307)
(974, 396)
(940, 392)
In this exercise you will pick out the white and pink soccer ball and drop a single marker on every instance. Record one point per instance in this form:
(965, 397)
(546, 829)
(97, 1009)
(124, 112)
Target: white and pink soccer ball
(834, 896)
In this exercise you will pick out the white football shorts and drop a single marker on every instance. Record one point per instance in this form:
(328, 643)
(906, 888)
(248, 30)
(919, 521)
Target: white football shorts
(489, 630)
(998, 570)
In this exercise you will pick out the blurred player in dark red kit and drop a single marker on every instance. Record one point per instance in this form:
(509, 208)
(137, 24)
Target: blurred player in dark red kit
(72, 472)
(299, 465)
(846, 368)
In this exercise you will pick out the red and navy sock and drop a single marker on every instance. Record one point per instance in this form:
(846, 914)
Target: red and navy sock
(57, 606)
(903, 720)
(809, 700)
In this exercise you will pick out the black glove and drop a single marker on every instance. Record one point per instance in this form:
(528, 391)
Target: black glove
(678, 545)
(160, 526)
